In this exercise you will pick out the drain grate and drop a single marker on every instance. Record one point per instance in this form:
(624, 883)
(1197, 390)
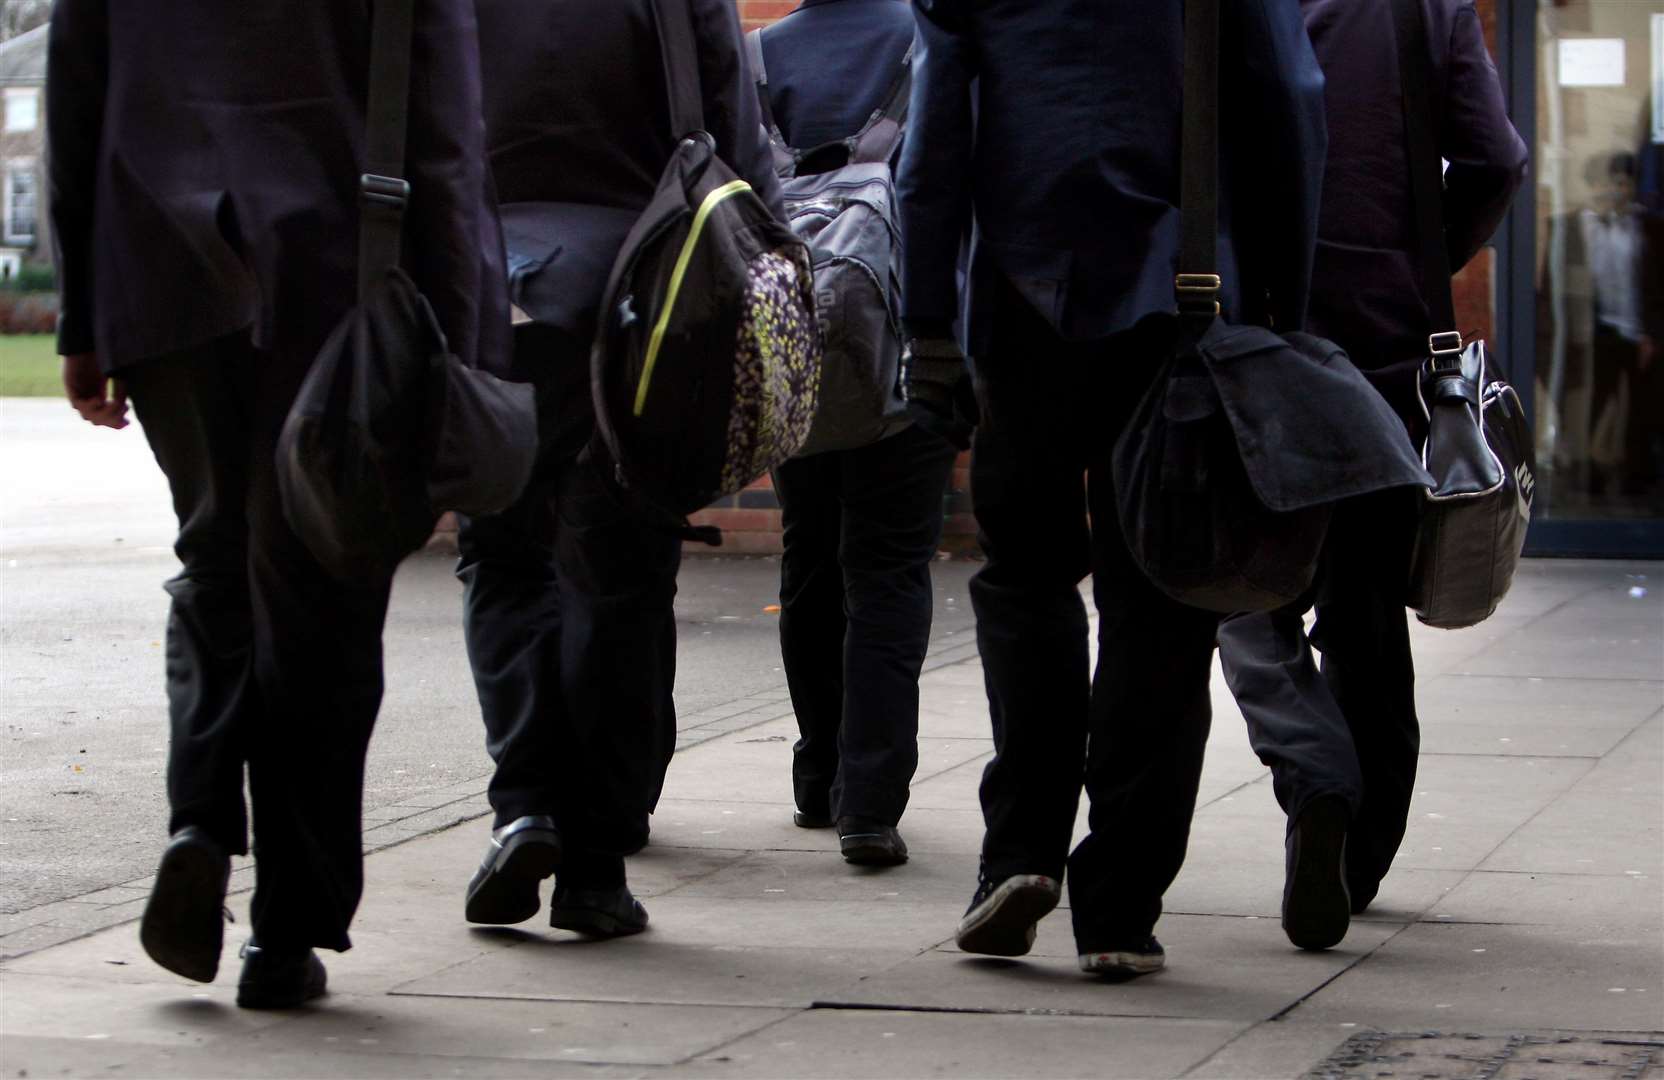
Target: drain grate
(1434, 1055)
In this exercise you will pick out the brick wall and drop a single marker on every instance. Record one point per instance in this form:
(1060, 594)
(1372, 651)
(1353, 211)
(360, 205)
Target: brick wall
(755, 13)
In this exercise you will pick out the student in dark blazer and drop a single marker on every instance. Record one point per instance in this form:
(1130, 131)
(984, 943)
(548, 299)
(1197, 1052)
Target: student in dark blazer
(568, 603)
(1342, 744)
(204, 165)
(860, 525)
(1058, 126)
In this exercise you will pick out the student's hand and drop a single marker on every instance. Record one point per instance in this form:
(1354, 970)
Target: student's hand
(937, 385)
(100, 400)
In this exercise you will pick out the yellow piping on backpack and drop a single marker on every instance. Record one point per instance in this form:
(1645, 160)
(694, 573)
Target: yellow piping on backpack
(712, 201)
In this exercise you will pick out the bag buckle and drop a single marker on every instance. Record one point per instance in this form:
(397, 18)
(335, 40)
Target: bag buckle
(1198, 294)
(1448, 343)
(385, 191)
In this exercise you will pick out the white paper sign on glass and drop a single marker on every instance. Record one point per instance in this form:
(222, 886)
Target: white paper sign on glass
(1591, 62)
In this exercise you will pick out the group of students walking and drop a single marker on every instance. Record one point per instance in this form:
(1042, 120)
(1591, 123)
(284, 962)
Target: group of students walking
(205, 162)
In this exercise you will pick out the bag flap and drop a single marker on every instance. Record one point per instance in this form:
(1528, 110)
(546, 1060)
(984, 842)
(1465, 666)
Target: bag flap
(1309, 426)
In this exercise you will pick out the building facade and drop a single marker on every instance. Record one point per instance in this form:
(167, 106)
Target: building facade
(24, 226)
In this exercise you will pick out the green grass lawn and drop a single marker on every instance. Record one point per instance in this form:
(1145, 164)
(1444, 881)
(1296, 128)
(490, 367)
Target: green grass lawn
(29, 366)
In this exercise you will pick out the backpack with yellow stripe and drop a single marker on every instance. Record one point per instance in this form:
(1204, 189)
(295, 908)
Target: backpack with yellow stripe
(706, 364)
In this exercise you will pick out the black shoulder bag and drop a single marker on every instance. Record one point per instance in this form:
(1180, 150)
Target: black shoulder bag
(1479, 449)
(1227, 474)
(390, 429)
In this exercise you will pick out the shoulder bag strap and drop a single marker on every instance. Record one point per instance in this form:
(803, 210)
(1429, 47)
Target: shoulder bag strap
(1197, 285)
(759, 72)
(1415, 75)
(679, 50)
(383, 189)
(877, 141)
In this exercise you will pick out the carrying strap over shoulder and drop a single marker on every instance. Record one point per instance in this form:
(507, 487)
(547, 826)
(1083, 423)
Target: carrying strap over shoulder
(1415, 75)
(679, 50)
(383, 189)
(878, 138)
(1197, 285)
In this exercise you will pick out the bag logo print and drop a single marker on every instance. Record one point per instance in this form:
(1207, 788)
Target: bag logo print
(1526, 486)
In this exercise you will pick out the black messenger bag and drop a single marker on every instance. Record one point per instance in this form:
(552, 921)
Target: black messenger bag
(1226, 476)
(1479, 448)
(390, 429)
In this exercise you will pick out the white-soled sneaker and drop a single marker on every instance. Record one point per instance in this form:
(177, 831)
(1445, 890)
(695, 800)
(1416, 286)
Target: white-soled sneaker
(1127, 961)
(1003, 914)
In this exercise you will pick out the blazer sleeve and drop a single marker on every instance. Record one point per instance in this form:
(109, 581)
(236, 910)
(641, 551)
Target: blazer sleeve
(447, 221)
(936, 161)
(1278, 95)
(77, 67)
(1488, 159)
(732, 114)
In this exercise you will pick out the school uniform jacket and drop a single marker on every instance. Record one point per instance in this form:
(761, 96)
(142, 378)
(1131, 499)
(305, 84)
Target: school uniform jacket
(1058, 125)
(204, 160)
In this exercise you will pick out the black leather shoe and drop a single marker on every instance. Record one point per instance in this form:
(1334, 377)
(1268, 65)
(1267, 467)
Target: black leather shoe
(603, 913)
(279, 978)
(866, 842)
(1317, 907)
(811, 819)
(521, 855)
(183, 928)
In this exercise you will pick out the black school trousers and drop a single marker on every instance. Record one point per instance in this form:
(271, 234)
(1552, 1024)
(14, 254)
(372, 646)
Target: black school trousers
(271, 664)
(860, 528)
(1132, 732)
(569, 621)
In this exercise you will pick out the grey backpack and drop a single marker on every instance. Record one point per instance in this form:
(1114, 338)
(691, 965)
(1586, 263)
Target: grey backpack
(841, 202)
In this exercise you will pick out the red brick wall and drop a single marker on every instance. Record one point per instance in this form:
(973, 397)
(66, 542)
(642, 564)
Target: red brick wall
(754, 13)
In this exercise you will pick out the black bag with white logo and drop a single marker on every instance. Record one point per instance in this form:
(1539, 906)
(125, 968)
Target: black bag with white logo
(1479, 448)
(389, 429)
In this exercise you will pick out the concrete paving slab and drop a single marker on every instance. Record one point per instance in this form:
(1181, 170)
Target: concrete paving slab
(1533, 716)
(63, 1058)
(945, 878)
(1277, 1050)
(1610, 822)
(644, 970)
(547, 1031)
(1464, 806)
(1439, 652)
(1220, 968)
(882, 1044)
(1468, 977)
(93, 1008)
(695, 824)
(1572, 647)
(1598, 904)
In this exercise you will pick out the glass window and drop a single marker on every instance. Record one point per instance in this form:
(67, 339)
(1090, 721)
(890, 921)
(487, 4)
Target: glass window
(20, 203)
(1599, 162)
(22, 108)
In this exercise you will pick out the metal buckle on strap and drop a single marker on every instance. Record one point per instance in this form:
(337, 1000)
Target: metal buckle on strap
(1448, 343)
(385, 191)
(1198, 294)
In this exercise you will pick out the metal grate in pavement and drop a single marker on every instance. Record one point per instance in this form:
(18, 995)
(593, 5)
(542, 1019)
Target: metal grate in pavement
(1433, 1055)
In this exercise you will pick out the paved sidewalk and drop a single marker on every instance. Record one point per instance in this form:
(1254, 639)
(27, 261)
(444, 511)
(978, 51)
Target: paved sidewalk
(1520, 934)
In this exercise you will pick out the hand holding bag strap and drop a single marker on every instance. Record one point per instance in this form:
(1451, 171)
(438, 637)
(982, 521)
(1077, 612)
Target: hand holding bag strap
(383, 190)
(1197, 285)
(679, 50)
(1415, 75)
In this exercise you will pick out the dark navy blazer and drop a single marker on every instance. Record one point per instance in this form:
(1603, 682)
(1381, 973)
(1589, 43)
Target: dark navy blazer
(1072, 164)
(204, 165)
(1367, 293)
(576, 108)
(831, 63)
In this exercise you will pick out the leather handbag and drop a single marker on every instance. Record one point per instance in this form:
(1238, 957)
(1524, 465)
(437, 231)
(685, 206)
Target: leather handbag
(1228, 472)
(389, 428)
(1479, 448)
